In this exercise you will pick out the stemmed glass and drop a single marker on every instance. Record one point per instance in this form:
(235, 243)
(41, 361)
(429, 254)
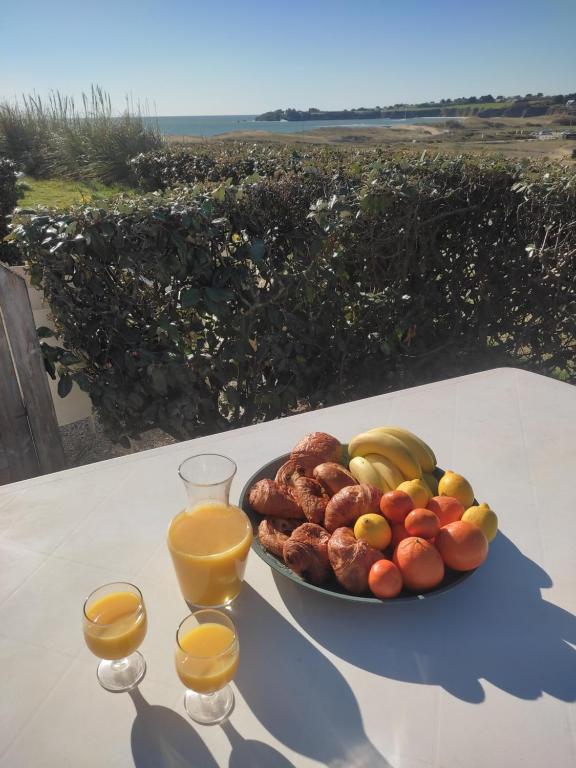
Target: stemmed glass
(207, 655)
(114, 624)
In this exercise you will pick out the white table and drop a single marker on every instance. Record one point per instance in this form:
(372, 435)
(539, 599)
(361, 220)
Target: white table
(482, 676)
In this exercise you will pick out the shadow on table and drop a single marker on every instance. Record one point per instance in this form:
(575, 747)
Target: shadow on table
(161, 738)
(250, 752)
(495, 626)
(295, 692)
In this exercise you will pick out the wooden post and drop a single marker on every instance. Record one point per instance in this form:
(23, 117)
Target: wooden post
(27, 355)
(18, 458)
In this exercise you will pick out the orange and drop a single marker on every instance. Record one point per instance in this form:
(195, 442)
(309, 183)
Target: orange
(399, 533)
(446, 508)
(463, 545)
(385, 579)
(420, 564)
(395, 505)
(422, 522)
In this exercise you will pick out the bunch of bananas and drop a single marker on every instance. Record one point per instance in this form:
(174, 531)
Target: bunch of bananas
(388, 456)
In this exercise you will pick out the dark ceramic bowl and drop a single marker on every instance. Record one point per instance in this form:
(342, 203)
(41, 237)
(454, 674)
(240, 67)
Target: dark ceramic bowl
(332, 589)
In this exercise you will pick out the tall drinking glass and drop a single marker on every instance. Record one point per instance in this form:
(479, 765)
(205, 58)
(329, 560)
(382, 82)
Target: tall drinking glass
(114, 624)
(210, 539)
(207, 655)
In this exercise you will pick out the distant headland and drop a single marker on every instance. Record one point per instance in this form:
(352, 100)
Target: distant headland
(530, 105)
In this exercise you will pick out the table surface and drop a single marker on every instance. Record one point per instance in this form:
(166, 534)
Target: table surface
(484, 675)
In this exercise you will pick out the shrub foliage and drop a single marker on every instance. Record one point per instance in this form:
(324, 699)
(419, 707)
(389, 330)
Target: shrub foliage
(207, 308)
(8, 198)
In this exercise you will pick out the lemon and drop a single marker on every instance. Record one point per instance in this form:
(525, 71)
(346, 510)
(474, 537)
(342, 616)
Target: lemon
(483, 517)
(374, 530)
(431, 482)
(453, 484)
(418, 491)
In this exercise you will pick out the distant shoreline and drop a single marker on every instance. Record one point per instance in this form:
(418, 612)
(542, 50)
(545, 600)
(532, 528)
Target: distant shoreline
(509, 137)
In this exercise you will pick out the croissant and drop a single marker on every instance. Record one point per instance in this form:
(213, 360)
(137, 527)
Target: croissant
(345, 507)
(306, 553)
(269, 498)
(333, 477)
(351, 560)
(286, 472)
(273, 533)
(316, 448)
(309, 494)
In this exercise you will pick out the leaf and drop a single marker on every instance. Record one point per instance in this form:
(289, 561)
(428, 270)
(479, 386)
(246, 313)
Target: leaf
(64, 385)
(44, 332)
(69, 358)
(257, 251)
(190, 297)
(219, 294)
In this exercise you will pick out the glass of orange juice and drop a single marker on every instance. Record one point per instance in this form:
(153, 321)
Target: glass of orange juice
(114, 623)
(210, 539)
(207, 655)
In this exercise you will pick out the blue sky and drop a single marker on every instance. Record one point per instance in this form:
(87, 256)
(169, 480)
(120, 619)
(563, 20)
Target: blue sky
(247, 56)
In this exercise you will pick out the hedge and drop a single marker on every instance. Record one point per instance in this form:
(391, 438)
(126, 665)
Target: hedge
(233, 161)
(8, 199)
(197, 312)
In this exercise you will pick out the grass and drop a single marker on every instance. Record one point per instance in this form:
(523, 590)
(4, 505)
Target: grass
(54, 138)
(61, 193)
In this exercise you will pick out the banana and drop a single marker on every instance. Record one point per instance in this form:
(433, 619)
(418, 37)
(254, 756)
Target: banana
(415, 445)
(364, 472)
(390, 472)
(388, 446)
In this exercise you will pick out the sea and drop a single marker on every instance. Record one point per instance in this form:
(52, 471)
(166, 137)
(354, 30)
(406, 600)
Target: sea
(212, 125)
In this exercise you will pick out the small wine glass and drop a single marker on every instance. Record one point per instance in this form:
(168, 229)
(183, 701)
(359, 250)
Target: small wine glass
(114, 624)
(207, 656)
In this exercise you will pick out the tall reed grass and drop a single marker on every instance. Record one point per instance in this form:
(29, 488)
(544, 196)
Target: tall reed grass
(54, 138)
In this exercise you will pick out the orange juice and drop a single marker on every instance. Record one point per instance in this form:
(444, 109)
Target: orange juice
(213, 658)
(115, 625)
(209, 545)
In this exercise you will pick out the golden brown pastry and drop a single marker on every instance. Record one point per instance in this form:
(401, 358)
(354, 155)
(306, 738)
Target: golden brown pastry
(351, 560)
(287, 470)
(273, 533)
(309, 494)
(316, 448)
(333, 477)
(348, 504)
(269, 498)
(306, 553)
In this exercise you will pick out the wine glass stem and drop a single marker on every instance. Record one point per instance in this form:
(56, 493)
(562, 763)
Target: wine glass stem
(206, 702)
(119, 664)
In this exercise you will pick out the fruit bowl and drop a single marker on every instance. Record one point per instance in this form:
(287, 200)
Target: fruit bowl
(333, 589)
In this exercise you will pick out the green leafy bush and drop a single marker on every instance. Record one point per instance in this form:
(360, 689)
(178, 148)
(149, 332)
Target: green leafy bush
(197, 311)
(8, 198)
(233, 161)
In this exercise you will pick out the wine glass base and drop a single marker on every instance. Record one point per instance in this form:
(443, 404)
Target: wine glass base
(209, 709)
(121, 675)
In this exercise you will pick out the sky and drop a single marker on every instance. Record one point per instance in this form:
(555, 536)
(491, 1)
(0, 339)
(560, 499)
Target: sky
(213, 57)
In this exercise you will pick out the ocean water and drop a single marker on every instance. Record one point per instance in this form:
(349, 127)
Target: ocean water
(207, 125)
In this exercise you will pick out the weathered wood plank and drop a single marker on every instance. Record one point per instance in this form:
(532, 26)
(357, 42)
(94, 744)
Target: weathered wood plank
(19, 324)
(18, 458)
